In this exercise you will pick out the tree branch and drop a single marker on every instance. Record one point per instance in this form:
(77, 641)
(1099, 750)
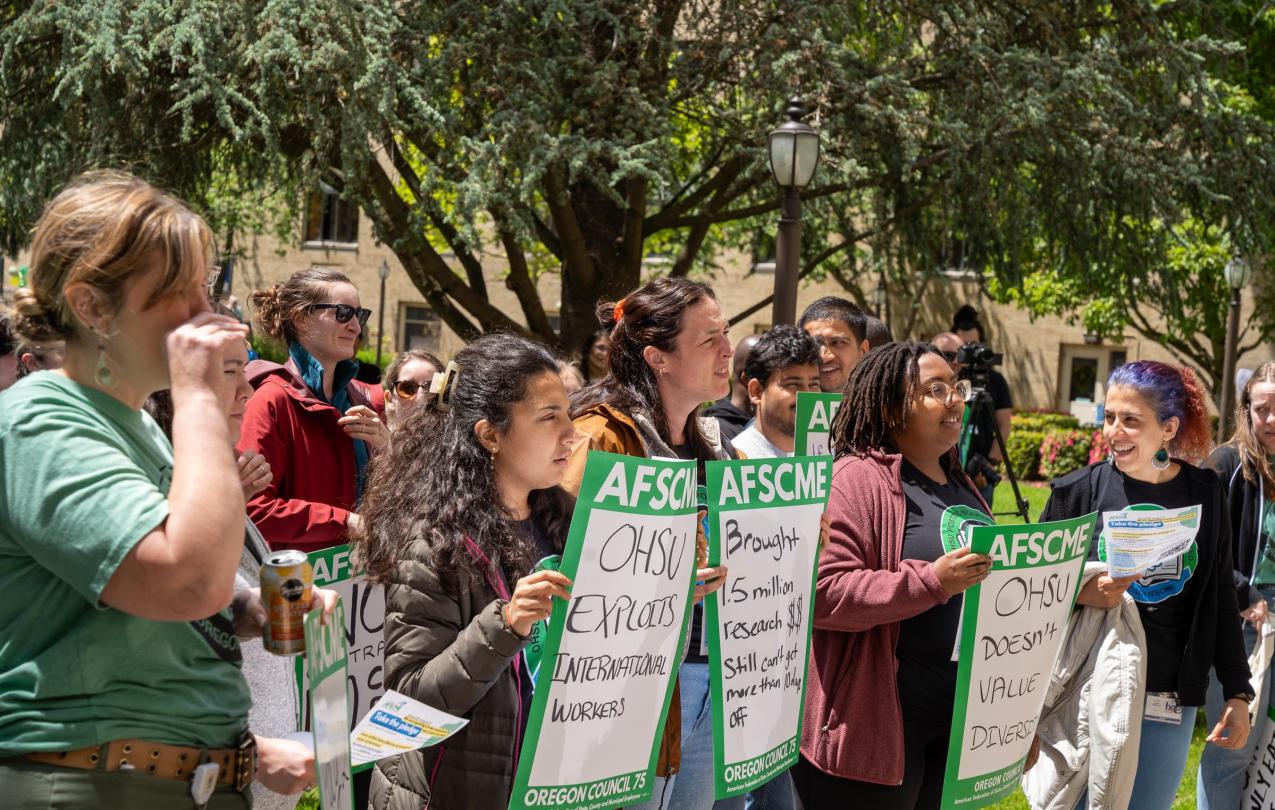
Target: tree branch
(575, 254)
(519, 281)
(819, 259)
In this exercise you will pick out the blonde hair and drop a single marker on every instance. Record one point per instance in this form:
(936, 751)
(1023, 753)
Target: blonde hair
(1253, 456)
(102, 230)
(279, 306)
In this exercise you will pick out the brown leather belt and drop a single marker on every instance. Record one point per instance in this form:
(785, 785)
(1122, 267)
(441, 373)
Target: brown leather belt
(238, 765)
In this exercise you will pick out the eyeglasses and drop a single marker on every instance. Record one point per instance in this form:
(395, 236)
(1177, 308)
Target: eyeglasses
(406, 389)
(344, 312)
(945, 393)
(950, 356)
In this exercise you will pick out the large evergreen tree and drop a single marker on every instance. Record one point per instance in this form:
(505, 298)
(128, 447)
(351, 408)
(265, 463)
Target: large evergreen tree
(578, 136)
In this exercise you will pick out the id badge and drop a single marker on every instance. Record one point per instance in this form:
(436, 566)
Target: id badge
(1163, 707)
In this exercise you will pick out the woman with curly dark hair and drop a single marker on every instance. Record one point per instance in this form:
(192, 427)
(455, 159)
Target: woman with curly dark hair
(457, 512)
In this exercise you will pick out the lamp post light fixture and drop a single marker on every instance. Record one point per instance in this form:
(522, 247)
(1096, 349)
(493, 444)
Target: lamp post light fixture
(879, 297)
(384, 272)
(794, 153)
(1237, 273)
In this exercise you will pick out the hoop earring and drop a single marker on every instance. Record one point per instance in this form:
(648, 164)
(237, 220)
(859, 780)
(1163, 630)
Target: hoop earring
(1161, 458)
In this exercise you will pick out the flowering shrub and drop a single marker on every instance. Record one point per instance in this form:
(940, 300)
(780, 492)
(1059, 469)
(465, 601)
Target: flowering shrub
(1063, 451)
(1023, 447)
(1098, 449)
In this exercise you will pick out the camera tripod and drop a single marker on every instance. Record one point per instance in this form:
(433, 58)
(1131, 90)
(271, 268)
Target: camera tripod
(981, 403)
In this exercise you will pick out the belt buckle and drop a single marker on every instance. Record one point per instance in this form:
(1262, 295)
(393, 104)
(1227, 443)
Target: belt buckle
(245, 761)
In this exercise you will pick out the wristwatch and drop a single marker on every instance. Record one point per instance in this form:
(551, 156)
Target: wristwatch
(1247, 697)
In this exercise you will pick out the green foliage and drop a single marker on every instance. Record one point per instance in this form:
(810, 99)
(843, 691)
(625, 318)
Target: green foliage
(1062, 451)
(1040, 146)
(268, 349)
(1043, 420)
(1023, 446)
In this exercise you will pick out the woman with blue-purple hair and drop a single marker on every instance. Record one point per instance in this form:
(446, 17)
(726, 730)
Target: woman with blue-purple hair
(1157, 426)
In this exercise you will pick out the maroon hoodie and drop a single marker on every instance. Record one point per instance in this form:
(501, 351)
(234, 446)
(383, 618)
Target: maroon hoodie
(311, 457)
(853, 725)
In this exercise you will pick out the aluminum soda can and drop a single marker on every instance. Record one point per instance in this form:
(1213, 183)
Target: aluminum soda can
(287, 581)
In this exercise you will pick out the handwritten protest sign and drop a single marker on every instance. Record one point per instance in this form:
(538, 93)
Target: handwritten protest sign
(764, 516)
(325, 664)
(814, 422)
(364, 642)
(613, 650)
(1012, 626)
(1259, 780)
(1140, 538)
(399, 724)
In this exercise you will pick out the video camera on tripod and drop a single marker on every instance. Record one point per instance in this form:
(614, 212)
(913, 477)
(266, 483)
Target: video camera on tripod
(977, 361)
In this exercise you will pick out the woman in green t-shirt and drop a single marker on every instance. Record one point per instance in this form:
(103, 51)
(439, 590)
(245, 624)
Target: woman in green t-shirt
(119, 667)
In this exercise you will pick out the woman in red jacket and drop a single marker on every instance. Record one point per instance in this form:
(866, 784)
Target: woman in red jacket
(882, 677)
(314, 423)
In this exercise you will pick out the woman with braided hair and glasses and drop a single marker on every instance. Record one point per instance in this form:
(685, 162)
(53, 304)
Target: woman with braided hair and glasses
(458, 512)
(315, 424)
(882, 676)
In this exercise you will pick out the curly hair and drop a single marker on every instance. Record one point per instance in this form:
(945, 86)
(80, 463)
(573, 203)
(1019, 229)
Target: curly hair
(875, 406)
(780, 348)
(437, 481)
(1170, 391)
(651, 316)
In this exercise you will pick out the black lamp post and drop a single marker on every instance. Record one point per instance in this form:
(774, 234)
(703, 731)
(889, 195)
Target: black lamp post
(794, 153)
(1238, 273)
(384, 272)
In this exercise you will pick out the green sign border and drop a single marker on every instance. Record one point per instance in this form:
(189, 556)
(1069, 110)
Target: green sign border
(712, 619)
(976, 791)
(338, 668)
(805, 407)
(597, 466)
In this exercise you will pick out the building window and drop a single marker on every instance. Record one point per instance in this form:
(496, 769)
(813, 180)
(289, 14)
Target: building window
(421, 328)
(330, 219)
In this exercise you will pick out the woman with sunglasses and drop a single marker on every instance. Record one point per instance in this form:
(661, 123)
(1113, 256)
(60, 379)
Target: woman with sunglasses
(882, 676)
(312, 421)
(407, 382)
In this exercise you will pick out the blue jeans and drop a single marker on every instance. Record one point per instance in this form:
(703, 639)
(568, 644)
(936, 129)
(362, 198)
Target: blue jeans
(777, 794)
(1221, 779)
(1161, 761)
(692, 786)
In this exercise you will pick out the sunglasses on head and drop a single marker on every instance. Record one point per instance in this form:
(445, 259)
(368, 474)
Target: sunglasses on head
(344, 312)
(406, 389)
(949, 356)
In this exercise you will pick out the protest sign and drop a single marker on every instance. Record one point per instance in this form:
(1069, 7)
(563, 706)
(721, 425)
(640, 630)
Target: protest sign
(325, 665)
(1012, 626)
(1259, 780)
(764, 515)
(1139, 538)
(814, 422)
(398, 724)
(365, 603)
(613, 650)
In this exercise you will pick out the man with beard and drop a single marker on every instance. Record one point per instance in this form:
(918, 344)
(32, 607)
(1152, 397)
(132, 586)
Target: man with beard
(784, 362)
(840, 328)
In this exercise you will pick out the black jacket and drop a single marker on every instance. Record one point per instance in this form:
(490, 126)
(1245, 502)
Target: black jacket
(731, 419)
(1215, 638)
(1245, 500)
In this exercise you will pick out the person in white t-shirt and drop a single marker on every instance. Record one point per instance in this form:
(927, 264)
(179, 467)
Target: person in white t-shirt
(784, 362)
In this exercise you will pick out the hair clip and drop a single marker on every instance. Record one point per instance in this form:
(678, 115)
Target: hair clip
(443, 383)
(618, 312)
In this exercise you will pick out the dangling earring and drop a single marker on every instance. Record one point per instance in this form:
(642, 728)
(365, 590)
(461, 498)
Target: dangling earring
(1161, 458)
(102, 372)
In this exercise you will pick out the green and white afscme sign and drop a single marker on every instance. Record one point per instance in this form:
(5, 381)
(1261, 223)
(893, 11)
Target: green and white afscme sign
(764, 519)
(613, 650)
(814, 422)
(325, 662)
(1012, 626)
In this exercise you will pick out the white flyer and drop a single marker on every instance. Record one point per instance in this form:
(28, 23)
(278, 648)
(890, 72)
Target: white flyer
(397, 724)
(1138, 539)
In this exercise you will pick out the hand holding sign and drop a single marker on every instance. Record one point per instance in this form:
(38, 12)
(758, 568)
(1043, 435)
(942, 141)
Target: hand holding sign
(961, 569)
(532, 599)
